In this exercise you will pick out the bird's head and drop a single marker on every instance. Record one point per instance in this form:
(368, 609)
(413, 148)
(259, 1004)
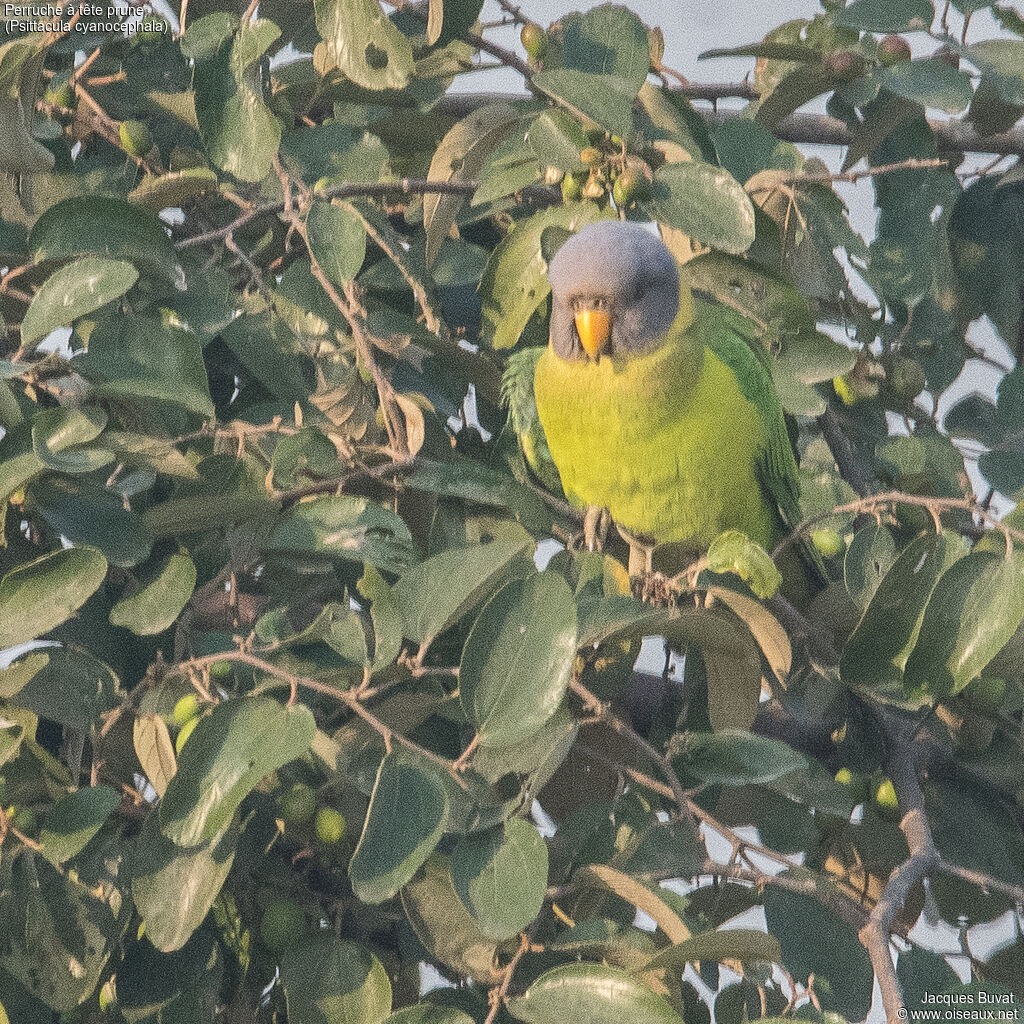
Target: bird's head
(615, 291)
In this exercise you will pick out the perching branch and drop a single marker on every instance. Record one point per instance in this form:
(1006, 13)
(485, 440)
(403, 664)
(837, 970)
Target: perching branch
(347, 190)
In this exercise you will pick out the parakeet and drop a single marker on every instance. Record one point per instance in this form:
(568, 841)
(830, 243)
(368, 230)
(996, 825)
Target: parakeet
(652, 405)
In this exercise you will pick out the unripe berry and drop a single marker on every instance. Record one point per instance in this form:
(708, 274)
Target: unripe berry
(330, 825)
(283, 923)
(136, 139)
(572, 190)
(893, 49)
(828, 541)
(186, 731)
(626, 187)
(844, 65)
(534, 40)
(186, 709)
(297, 804)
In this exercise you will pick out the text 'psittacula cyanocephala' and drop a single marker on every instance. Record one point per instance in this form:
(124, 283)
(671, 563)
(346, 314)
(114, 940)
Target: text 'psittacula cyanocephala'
(652, 405)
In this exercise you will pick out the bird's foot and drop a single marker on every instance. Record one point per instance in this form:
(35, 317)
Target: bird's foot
(654, 588)
(596, 521)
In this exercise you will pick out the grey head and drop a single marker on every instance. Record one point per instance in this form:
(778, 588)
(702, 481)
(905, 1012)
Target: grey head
(619, 268)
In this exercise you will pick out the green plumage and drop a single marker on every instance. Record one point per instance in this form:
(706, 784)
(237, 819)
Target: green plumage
(680, 443)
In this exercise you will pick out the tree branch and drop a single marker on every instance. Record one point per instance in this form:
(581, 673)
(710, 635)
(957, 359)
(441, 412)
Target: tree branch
(816, 129)
(347, 190)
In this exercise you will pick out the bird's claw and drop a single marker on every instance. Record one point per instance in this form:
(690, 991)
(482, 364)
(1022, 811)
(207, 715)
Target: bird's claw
(596, 521)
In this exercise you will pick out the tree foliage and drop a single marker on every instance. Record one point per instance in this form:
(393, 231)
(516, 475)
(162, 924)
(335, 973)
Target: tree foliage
(270, 547)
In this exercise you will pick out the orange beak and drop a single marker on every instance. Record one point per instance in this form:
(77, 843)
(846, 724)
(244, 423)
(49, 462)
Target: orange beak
(594, 326)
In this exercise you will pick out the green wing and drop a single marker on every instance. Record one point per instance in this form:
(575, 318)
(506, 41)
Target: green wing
(517, 396)
(728, 335)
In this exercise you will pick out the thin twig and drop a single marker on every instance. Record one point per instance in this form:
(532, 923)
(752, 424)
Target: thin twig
(348, 190)
(606, 715)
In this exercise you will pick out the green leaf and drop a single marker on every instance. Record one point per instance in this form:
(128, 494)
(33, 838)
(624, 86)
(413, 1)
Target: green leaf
(141, 358)
(79, 288)
(344, 527)
(385, 616)
(104, 227)
(157, 192)
(501, 875)
(67, 685)
(364, 45)
(604, 100)
(239, 130)
(328, 981)
(887, 15)
(931, 82)
(515, 281)
(608, 40)
(735, 552)
(427, 1013)
(593, 993)
(334, 151)
(155, 607)
(54, 431)
(38, 596)
(436, 593)
(641, 896)
(86, 514)
(744, 944)
(975, 608)
(337, 240)
(735, 758)
(878, 649)
(1002, 60)
(58, 934)
(182, 986)
(74, 820)
(174, 887)
(869, 557)
(518, 659)
(705, 202)
(444, 926)
(557, 140)
(242, 741)
(458, 158)
(816, 942)
(406, 818)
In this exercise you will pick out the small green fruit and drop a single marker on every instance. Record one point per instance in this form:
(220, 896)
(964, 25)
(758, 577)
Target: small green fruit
(220, 669)
(283, 923)
(905, 378)
(534, 40)
(297, 804)
(844, 65)
(984, 694)
(136, 139)
(976, 732)
(572, 190)
(626, 187)
(62, 95)
(829, 542)
(26, 822)
(884, 800)
(184, 733)
(893, 49)
(330, 825)
(186, 709)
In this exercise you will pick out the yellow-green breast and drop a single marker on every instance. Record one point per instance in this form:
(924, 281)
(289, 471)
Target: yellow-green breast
(665, 441)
